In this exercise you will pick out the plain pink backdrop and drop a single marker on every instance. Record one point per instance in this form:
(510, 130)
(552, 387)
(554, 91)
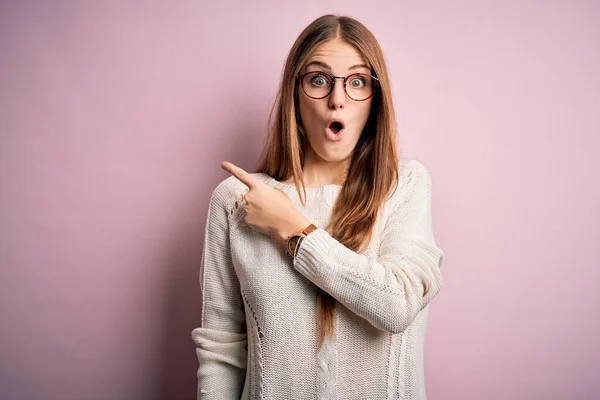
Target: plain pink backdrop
(115, 116)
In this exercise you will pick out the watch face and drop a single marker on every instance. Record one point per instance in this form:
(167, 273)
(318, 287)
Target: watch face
(292, 244)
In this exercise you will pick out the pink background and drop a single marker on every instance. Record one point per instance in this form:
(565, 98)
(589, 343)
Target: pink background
(115, 116)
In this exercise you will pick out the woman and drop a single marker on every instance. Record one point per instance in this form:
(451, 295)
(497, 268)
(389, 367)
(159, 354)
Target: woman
(318, 268)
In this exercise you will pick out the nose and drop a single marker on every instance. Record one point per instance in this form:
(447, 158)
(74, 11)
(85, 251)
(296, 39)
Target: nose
(337, 97)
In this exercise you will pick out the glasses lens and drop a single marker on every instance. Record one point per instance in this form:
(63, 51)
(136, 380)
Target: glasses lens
(316, 84)
(360, 86)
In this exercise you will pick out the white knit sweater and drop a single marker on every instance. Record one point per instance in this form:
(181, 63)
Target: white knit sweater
(258, 338)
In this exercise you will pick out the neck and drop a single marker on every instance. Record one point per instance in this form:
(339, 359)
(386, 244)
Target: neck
(319, 172)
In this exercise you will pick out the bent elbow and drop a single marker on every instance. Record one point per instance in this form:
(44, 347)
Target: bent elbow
(399, 316)
(405, 310)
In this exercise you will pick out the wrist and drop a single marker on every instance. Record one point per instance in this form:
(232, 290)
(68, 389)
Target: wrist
(293, 242)
(295, 226)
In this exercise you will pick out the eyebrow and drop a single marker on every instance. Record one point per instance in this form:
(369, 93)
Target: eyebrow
(324, 65)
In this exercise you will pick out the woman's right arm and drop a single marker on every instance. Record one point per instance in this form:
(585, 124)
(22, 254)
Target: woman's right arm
(221, 339)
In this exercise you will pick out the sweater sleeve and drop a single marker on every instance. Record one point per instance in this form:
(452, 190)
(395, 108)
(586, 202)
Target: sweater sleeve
(391, 289)
(221, 339)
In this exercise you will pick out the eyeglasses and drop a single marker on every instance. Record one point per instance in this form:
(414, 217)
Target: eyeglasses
(318, 85)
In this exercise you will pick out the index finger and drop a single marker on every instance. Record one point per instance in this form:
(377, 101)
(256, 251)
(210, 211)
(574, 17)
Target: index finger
(240, 174)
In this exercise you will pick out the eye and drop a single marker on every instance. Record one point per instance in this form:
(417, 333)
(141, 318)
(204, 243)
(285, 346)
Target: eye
(319, 80)
(358, 82)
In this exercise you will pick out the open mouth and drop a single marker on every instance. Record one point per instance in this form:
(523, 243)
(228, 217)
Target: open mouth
(336, 127)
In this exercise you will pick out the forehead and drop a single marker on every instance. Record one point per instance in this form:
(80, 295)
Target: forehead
(340, 55)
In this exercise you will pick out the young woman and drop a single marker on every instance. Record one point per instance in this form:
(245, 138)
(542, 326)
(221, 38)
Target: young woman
(318, 268)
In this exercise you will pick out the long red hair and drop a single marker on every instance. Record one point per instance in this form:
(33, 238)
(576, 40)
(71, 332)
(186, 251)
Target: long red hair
(373, 170)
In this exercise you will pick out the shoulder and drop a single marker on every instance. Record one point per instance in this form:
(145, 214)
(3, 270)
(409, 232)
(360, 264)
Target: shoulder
(414, 179)
(411, 169)
(230, 189)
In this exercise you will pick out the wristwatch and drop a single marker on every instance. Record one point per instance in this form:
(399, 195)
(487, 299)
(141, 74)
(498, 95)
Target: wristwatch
(293, 240)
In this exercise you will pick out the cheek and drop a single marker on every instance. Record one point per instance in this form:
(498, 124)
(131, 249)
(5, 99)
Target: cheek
(308, 112)
(362, 115)
(365, 110)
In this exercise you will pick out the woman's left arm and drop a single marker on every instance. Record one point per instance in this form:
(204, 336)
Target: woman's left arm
(390, 290)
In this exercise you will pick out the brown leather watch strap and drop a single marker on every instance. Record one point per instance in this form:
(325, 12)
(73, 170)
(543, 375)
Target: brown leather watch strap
(309, 229)
(292, 242)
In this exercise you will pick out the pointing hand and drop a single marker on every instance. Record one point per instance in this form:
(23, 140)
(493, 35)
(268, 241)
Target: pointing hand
(268, 210)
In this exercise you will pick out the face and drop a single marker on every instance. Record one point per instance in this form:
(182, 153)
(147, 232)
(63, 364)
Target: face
(338, 58)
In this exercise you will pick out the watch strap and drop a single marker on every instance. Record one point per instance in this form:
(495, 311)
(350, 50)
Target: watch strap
(298, 236)
(309, 229)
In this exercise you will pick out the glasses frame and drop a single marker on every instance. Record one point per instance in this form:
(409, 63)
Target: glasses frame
(333, 78)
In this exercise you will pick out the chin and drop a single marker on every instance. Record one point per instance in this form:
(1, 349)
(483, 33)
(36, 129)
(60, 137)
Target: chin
(333, 156)
(328, 151)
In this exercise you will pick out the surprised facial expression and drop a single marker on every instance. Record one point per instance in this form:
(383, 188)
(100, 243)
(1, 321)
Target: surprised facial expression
(332, 120)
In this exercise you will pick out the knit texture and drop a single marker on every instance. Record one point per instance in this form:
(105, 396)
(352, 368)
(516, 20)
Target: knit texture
(257, 337)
